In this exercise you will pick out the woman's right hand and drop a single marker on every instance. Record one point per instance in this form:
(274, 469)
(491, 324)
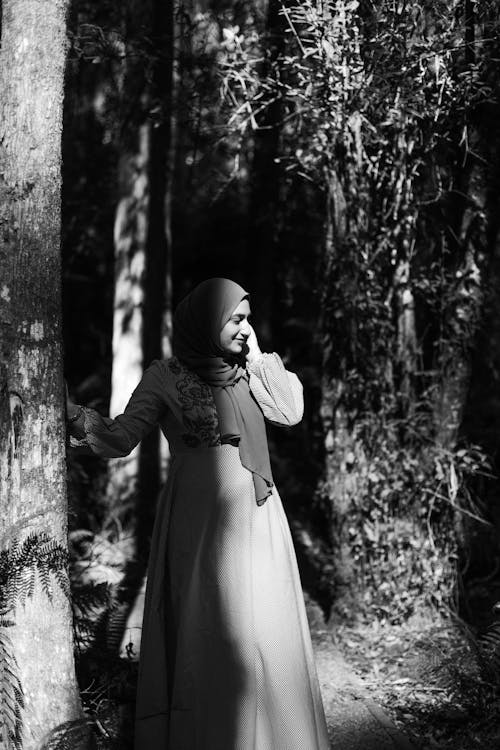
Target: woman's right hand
(253, 348)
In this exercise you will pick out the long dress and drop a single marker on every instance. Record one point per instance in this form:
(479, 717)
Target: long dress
(226, 660)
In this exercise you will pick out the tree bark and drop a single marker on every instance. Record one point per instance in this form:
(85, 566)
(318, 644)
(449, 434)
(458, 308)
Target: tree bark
(130, 238)
(32, 436)
(406, 345)
(142, 238)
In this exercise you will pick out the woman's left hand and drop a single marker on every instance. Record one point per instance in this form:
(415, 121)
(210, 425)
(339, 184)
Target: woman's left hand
(253, 348)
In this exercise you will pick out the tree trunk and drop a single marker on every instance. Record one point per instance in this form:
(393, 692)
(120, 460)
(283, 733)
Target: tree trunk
(130, 240)
(158, 248)
(406, 345)
(264, 200)
(142, 240)
(32, 438)
(141, 326)
(466, 219)
(130, 251)
(339, 479)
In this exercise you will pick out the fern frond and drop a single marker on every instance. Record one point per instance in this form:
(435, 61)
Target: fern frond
(116, 622)
(69, 735)
(91, 596)
(11, 694)
(92, 605)
(488, 651)
(43, 574)
(20, 564)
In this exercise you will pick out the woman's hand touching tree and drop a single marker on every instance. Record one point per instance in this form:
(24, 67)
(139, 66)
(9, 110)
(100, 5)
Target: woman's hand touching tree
(73, 410)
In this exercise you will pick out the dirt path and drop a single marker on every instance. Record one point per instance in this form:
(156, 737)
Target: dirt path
(355, 721)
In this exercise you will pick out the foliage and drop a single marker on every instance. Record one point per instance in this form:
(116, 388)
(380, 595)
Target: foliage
(488, 652)
(100, 561)
(385, 170)
(380, 107)
(69, 735)
(408, 504)
(37, 557)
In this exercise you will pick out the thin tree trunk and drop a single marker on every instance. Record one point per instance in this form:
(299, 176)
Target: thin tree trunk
(158, 250)
(406, 348)
(343, 178)
(32, 437)
(456, 353)
(130, 240)
(130, 260)
(338, 480)
(461, 322)
(141, 327)
(142, 240)
(264, 201)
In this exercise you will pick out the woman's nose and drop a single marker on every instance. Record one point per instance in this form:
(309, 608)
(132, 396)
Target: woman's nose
(245, 327)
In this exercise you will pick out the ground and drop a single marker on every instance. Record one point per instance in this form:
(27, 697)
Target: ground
(397, 688)
(418, 686)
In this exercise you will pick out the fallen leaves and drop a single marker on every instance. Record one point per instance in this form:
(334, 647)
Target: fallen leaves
(428, 680)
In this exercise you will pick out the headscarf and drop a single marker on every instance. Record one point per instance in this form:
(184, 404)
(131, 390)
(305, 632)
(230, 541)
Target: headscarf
(198, 321)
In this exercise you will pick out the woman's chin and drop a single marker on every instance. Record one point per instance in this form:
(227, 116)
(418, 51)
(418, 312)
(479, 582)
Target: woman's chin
(236, 349)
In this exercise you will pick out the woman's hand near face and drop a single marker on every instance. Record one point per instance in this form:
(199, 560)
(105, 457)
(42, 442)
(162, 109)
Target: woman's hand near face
(253, 348)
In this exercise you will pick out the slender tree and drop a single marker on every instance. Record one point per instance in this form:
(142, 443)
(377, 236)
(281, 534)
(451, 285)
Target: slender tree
(142, 226)
(38, 691)
(266, 184)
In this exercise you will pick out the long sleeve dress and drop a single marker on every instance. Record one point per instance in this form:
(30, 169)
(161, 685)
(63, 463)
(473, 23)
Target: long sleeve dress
(226, 660)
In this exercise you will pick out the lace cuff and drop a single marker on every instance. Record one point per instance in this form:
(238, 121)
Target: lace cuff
(102, 435)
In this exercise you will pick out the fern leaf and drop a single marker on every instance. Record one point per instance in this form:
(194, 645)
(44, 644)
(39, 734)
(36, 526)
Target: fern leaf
(62, 579)
(11, 694)
(19, 565)
(489, 651)
(43, 573)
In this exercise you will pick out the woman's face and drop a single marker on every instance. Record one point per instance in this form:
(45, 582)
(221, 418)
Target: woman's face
(237, 329)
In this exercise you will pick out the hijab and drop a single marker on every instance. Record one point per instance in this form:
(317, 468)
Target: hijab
(198, 321)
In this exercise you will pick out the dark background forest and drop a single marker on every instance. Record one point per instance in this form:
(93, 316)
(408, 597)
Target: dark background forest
(341, 161)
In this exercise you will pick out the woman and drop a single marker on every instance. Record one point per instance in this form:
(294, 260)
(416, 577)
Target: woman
(226, 659)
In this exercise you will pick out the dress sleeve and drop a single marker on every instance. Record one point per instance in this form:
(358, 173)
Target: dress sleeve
(113, 438)
(278, 391)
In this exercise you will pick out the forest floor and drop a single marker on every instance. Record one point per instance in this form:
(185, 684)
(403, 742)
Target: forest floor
(401, 687)
(418, 687)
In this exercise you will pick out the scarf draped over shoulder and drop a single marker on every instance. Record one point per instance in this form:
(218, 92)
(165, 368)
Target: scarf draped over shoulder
(198, 321)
